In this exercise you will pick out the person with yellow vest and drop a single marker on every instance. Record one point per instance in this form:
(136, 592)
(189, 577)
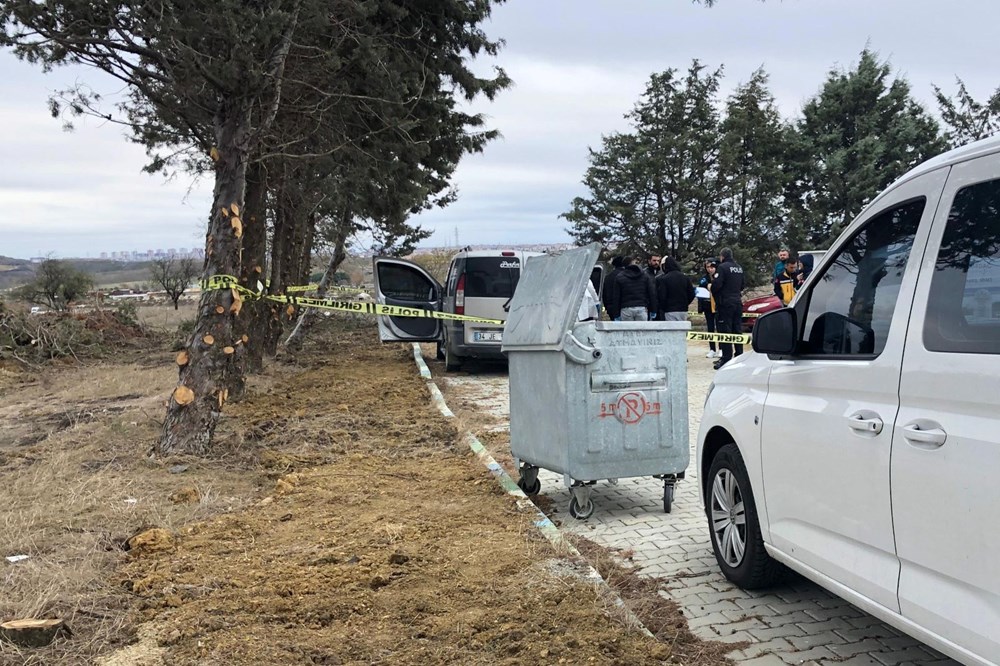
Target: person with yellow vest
(785, 284)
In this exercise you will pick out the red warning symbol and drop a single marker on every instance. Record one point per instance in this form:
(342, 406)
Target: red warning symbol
(630, 408)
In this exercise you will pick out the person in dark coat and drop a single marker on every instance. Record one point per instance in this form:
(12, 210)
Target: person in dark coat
(806, 263)
(706, 305)
(614, 312)
(727, 288)
(633, 293)
(674, 292)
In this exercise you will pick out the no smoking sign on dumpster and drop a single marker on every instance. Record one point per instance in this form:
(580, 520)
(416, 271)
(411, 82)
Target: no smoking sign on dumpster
(629, 408)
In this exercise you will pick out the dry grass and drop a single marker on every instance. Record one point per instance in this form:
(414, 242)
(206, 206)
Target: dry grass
(164, 317)
(75, 483)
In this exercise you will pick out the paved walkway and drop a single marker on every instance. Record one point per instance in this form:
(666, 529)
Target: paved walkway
(796, 623)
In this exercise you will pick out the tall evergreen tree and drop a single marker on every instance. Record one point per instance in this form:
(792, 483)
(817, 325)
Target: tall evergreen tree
(654, 189)
(861, 132)
(215, 76)
(752, 176)
(966, 119)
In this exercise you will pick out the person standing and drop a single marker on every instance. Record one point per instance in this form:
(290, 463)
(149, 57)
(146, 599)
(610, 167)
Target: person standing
(727, 288)
(633, 292)
(785, 284)
(674, 292)
(806, 262)
(653, 266)
(614, 312)
(652, 271)
(706, 304)
(779, 266)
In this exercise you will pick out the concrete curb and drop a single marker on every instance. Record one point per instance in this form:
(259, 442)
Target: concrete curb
(524, 503)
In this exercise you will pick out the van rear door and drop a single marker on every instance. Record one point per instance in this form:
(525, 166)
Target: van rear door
(406, 284)
(489, 284)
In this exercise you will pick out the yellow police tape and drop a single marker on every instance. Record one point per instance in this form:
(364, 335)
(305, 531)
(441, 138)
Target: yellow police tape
(725, 338)
(364, 307)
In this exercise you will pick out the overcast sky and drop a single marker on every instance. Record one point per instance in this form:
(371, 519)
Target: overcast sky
(578, 67)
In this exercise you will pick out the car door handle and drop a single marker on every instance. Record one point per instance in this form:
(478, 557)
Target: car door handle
(924, 438)
(867, 423)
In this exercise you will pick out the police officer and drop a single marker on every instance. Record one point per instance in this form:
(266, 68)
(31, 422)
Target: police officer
(727, 288)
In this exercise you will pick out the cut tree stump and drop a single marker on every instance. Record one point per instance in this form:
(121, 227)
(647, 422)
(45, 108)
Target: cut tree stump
(32, 633)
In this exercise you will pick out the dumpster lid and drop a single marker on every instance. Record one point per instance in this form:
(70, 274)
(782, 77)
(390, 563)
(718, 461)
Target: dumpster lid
(547, 299)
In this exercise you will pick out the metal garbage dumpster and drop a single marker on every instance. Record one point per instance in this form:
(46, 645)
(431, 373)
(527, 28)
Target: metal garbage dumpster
(592, 400)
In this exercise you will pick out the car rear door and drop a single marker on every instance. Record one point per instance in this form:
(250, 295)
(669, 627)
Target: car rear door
(946, 448)
(406, 284)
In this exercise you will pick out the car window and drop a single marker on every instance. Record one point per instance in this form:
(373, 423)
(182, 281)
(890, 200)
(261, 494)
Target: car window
(851, 304)
(449, 288)
(491, 277)
(405, 283)
(963, 309)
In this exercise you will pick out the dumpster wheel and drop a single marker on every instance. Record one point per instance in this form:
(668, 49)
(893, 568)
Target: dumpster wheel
(578, 512)
(530, 488)
(668, 496)
(528, 481)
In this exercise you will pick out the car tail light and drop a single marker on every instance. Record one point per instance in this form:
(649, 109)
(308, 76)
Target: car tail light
(460, 295)
(507, 254)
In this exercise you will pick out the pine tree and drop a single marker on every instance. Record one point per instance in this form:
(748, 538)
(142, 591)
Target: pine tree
(859, 134)
(966, 119)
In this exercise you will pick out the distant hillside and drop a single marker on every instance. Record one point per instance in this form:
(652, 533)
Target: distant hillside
(14, 272)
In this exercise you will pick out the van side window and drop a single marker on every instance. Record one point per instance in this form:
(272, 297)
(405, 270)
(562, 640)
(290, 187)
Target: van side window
(404, 283)
(851, 304)
(963, 308)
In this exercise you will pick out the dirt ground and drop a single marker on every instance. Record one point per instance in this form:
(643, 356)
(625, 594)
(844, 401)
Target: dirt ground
(337, 522)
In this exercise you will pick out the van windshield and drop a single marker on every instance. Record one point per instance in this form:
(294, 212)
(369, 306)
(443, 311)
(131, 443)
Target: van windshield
(491, 277)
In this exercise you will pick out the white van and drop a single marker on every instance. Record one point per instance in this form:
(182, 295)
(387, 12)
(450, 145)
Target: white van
(860, 444)
(480, 283)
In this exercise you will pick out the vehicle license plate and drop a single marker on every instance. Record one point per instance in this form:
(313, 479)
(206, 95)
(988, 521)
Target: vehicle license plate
(491, 336)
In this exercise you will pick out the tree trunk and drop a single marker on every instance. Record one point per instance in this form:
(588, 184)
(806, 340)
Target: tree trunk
(280, 241)
(254, 260)
(196, 404)
(308, 315)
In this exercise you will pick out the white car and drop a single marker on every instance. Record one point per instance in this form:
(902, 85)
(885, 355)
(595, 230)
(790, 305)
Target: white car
(860, 443)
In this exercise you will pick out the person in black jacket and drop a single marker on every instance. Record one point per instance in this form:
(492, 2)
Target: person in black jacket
(727, 289)
(706, 304)
(614, 312)
(674, 292)
(633, 293)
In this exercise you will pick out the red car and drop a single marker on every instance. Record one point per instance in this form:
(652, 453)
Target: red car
(755, 307)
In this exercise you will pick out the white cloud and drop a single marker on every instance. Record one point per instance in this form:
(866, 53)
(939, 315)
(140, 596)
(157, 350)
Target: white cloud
(578, 66)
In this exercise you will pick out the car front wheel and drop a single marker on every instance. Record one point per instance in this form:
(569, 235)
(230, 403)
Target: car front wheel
(733, 523)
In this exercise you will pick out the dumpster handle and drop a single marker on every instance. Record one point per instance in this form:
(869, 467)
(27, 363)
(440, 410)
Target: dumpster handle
(579, 352)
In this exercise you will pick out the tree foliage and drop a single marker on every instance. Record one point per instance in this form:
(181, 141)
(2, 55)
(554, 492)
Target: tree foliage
(859, 134)
(56, 285)
(174, 276)
(696, 173)
(652, 189)
(967, 120)
(312, 98)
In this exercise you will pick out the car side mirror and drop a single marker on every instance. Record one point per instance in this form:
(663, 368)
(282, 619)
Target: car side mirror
(776, 332)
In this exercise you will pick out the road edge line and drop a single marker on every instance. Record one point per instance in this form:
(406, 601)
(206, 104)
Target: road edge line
(524, 503)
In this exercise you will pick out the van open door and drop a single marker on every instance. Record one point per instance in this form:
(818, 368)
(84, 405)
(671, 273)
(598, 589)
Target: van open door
(404, 283)
(597, 279)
